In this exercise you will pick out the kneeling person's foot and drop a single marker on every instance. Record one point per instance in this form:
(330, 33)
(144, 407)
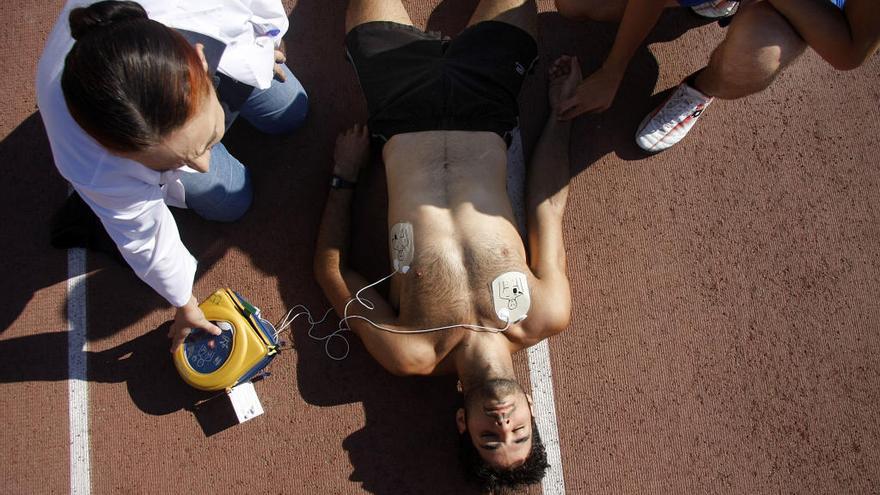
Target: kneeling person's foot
(671, 121)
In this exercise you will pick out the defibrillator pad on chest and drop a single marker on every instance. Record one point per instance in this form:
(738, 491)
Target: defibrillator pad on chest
(402, 246)
(510, 295)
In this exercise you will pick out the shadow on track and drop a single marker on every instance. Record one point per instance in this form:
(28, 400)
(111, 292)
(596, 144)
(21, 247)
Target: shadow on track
(612, 131)
(142, 363)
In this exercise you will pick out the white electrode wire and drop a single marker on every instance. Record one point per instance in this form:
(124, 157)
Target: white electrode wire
(369, 305)
(287, 321)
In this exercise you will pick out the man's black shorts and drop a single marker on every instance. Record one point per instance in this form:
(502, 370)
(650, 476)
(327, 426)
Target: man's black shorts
(416, 81)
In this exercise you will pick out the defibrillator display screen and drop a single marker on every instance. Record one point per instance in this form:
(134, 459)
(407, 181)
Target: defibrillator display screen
(206, 353)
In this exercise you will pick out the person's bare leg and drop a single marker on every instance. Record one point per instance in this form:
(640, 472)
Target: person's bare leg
(760, 43)
(520, 13)
(362, 11)
(592, 10)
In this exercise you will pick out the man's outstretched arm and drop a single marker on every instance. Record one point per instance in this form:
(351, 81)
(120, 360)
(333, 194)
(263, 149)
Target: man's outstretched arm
(331, 255)
(399, 354)
(844, 39)
(547, 197)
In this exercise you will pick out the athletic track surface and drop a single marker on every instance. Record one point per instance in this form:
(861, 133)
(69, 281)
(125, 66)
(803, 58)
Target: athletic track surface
(726, 323)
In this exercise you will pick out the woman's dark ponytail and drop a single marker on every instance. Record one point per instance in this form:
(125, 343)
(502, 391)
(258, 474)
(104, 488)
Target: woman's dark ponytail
(86, 19)
(129, 81)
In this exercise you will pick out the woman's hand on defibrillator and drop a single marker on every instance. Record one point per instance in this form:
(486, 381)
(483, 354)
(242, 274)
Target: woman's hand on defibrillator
(352, 152)
(187, 318)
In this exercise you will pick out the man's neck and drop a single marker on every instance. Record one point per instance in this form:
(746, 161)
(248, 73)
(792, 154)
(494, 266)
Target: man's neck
(483, 357)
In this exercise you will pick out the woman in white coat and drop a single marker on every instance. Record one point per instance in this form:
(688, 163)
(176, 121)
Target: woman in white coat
(135, 98)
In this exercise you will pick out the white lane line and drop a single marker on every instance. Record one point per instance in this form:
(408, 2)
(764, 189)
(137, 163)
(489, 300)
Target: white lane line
(544, 407)
(77, 392)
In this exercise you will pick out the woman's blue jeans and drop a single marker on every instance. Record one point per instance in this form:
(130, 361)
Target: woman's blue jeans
(224, 193)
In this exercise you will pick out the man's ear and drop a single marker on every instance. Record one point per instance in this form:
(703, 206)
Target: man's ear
(461, 420)
(200, 49)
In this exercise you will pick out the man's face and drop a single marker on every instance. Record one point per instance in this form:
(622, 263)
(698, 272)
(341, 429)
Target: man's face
(498, 417)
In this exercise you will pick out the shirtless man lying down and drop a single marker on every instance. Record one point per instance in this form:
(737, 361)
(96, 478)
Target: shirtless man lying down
(465, 293)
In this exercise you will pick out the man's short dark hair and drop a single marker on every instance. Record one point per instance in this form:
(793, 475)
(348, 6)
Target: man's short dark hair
(500, 481)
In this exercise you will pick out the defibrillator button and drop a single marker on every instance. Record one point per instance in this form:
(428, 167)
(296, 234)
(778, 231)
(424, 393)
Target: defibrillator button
(206, 353)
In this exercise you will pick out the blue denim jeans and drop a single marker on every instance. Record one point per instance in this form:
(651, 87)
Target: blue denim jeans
(224, 193)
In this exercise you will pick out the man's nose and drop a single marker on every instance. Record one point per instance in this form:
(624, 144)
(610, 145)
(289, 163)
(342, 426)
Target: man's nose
(501, 419)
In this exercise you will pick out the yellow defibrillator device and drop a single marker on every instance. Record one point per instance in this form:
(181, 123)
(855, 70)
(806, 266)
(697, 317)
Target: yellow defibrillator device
(247, 344)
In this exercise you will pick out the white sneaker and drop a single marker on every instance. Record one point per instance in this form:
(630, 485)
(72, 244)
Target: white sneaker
(672, 120)
(716, 9)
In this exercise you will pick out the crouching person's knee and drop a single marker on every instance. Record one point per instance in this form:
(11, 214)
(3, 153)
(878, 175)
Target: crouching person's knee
(281, 109)
(290, 119)
(234, 210)
(222, 201)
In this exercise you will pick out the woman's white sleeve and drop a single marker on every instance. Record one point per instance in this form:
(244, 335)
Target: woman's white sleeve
(250, 56)
(146, 234)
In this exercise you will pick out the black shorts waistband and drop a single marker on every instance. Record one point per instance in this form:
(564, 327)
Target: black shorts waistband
(417, 81)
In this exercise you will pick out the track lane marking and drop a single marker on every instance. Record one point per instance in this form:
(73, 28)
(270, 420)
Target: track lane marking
(544, 408)
(540, 372)
(77, 390)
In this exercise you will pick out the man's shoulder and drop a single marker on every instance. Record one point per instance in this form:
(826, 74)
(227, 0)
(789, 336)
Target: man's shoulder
(550, 311)
(416, 357)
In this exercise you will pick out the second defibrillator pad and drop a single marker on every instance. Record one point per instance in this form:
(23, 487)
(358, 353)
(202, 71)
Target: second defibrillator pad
(510, 295)
(402, 246)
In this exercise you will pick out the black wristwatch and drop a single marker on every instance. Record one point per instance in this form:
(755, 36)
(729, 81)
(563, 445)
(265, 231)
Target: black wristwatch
(338, 182)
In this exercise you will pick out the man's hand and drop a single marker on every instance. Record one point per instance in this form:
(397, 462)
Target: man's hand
(593, 94)
(188, 317)
(352, 152)
(565, 74)
(280, 58)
